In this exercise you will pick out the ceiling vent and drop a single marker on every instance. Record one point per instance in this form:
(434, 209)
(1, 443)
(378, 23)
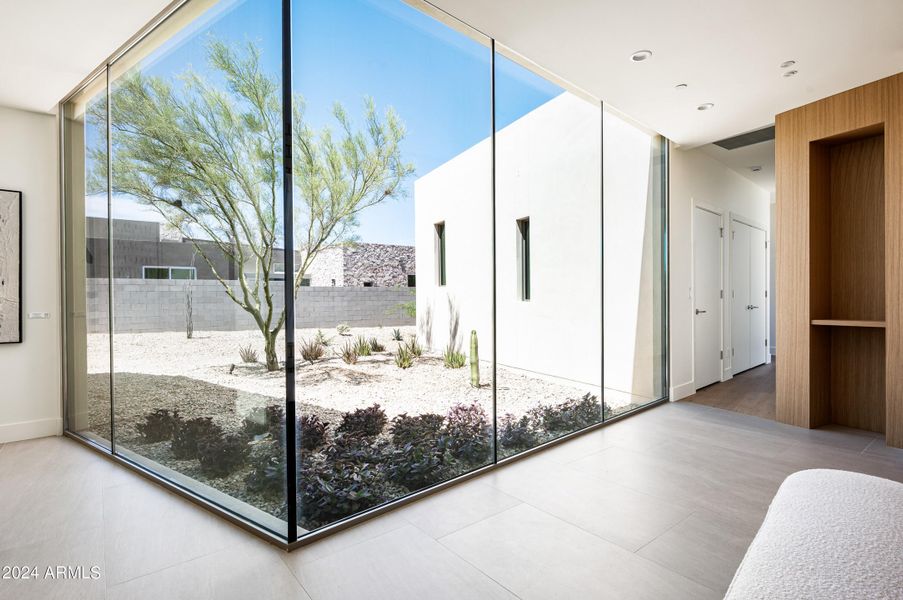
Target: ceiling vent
(747, 139)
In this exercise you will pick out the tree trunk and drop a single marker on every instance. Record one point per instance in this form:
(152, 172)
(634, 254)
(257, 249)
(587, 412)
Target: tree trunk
(269, 349)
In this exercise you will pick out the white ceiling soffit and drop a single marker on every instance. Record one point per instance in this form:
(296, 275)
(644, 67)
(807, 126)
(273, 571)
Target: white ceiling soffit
(49, 46)
(728, 52)
(744, 160)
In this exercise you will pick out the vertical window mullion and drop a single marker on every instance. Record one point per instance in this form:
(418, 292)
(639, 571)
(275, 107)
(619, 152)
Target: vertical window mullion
(602, 261)
(110, 280)
(291, 467)
(493, 185)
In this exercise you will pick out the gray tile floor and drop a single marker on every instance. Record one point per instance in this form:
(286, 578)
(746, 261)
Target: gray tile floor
(660, 505)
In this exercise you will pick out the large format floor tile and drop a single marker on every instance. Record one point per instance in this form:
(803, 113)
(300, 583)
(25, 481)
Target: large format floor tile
(878, 447)
(68, 567)
(536, 555)
(51, 488)
(457, 507)
(147, 529)
(660, 505)
(346, 538)
(617, 513)
(703, 547)
(235, 574)
(399, 565)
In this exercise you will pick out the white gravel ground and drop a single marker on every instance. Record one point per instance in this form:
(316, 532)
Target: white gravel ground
(205, 376)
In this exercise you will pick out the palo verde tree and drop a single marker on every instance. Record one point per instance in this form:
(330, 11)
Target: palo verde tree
(205, 151)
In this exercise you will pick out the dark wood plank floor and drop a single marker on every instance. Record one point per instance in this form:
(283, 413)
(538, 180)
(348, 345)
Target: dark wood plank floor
(751, 393)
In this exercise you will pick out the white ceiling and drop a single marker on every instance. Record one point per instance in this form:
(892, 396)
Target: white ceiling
(727, 52)
(47, 47)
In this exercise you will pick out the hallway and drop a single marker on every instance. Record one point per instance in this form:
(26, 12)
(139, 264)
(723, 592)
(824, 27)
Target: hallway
(751, 393)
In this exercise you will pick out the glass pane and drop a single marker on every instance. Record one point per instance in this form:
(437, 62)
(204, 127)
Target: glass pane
(177, 273)
(548, 170)
(86, 266)
(634, 198)
(391, 397)
(196, 121)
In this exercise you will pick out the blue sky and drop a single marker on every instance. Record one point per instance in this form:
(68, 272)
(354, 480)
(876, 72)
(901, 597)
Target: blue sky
(435, 78)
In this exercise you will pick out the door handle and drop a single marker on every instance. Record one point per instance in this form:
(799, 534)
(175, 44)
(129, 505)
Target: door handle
(699, 311)
(752, 307)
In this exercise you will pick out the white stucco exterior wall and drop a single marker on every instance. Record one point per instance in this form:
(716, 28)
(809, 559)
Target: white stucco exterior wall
(698, 179)
(458, 194)
(548, 169)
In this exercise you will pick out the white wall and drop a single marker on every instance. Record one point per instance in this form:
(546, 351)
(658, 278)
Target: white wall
(30, 396)
(698, 179)
(632, 275)
(548, 169)
(457, 194)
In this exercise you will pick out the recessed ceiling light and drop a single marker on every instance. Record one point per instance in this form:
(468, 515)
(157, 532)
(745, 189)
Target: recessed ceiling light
(705, 106)
(640, 55)
(680, 86)
(790, 73)
(787, 63)
(755, 169)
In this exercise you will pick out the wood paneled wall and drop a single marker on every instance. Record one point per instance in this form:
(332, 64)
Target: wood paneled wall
(856, 174)
(820, 274)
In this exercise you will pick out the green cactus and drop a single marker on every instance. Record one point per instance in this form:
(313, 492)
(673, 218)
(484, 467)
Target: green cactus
(474, 360)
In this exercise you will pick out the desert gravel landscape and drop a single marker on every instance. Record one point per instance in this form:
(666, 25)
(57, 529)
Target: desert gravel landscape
(204, 376)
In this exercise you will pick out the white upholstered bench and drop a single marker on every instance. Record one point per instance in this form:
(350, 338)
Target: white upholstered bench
(827, 535)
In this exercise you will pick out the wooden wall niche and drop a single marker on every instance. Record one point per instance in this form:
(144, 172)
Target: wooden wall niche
(840, 250)
(846, 206)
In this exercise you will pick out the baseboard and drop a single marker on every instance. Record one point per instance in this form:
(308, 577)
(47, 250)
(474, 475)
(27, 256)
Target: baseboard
(683, 390)
(26, 430)
(771, 351)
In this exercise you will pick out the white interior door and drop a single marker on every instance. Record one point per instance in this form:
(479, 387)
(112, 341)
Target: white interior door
(740, 337)
(758, 298)
(749, 327)
(706, 297)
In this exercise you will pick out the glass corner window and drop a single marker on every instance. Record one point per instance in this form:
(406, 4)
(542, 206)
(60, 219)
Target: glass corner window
(242, 314)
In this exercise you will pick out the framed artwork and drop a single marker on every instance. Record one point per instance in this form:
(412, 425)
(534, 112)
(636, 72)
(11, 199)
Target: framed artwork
(10, 267)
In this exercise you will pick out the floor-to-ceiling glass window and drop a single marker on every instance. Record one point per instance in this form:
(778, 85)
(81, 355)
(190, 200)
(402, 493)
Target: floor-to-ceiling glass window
(460, 292)
(86, 260)
(196, 227)
(393, 213)
(634, 197)
(548, 261)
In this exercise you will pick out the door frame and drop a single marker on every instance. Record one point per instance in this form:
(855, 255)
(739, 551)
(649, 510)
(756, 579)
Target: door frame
(721, 213)
(735, 216)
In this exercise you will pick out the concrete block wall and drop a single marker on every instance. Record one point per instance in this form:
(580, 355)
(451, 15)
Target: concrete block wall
(144, 305)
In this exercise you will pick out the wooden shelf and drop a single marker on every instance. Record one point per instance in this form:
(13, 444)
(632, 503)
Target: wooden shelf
(849, 323)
